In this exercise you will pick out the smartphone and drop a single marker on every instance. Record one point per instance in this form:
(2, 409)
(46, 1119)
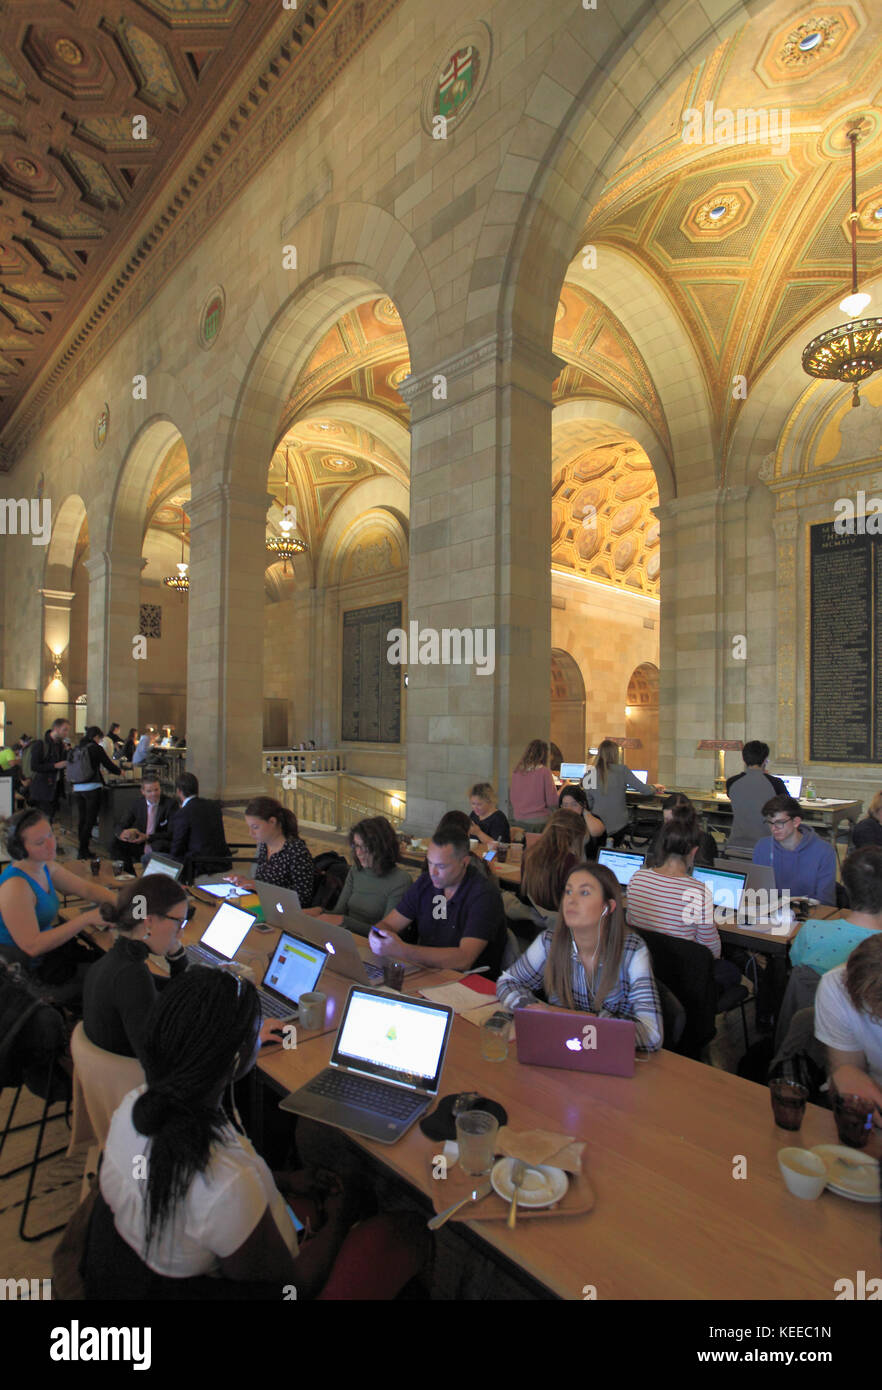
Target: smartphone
(489, 856)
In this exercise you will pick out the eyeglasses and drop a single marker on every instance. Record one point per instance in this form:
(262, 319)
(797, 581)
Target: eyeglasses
(181, 921)
(785, 820)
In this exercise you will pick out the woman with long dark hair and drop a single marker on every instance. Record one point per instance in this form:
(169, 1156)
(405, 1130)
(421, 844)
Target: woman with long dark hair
(282, 857)
(183, 1194)
(532, 794)
(572, 798)
(589, 960)
(375, 883)
(548, 862)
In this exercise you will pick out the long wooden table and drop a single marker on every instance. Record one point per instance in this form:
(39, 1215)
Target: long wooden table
(828, 814)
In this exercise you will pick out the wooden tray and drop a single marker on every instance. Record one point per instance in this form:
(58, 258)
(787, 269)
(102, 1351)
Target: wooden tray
(578, 1198)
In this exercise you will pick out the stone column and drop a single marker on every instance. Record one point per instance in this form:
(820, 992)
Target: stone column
(228, 559)
(480, 562)
(114, 620)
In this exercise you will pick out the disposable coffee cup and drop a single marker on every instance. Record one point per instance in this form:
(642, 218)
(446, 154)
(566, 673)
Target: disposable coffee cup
(311, 1009)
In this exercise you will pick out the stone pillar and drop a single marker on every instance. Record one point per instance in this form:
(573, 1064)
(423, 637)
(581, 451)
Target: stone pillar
(114, 620)
(228, 560)
(54, 692)
(480, 559)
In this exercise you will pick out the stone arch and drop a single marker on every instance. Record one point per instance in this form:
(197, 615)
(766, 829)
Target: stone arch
(567, 706)
(66, 527)
(391, 432)
(372, 496)
(641, 718)
(135, 480)
(629, 422)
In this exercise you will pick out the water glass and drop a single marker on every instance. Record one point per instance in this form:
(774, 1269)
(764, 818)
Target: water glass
(476, 1132)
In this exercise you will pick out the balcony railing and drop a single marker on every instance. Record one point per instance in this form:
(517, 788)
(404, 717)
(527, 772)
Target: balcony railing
(334, 800)
(304, 759)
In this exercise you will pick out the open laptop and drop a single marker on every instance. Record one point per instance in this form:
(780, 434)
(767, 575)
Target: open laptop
(342, 946)
(793, 784)
(643, 775)
(162, 864)
(727, 887)
(218, 889)
(277, 903)
(575, 1042)
(572, 772)
(624, 863)
(758, 876)
(385, 1068)
(222, 937)
(294, 968)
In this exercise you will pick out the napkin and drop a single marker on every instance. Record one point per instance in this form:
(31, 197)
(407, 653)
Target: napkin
(538, 1146)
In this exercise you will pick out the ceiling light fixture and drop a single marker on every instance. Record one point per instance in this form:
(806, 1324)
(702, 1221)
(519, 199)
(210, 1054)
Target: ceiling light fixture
(286, 546)
(180, 582)
(852, 351)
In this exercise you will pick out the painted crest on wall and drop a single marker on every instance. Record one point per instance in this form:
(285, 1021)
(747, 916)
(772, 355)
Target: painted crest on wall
(102, 422)
(212, 317)
(458, 74)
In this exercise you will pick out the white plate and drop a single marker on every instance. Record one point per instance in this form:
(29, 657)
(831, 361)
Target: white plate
(556, 1184)
(861, 1182)
(852, 1196)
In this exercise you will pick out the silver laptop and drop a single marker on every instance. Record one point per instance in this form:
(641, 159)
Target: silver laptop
(758, 876)
(278, 903)
(727, 887)
(163, 864)
(342, 946)
(217, 888)
(623, 863)
(294, 968)
(385, 1068)
(222, 937)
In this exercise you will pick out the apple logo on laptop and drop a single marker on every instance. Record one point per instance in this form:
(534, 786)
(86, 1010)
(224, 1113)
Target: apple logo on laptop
(279, 907)
(587, 1042)
(329, 948)
(574, 1044)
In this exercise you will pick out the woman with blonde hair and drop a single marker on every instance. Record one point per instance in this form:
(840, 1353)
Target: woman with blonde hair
(589, 960)
(605, 786)
(533, 794)
(487, 823)
(869, 830)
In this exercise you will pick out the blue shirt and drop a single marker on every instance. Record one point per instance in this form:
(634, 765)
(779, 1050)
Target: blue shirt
(825, 944)
(809, 871)
(474, 910)
(45, 901)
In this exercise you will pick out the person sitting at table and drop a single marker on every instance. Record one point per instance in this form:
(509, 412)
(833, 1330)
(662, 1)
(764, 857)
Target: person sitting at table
(374, 884)
(142, 749)
(573, 798)
(128, 748)
(824, 944)
(146, 826)
(488, 823)
(588, 960)
(198, 837)
(848, 1021)
(606, 784)
(455, 912)
(548, 862)
(533, 795)
(679, 804)
(869, 830)
(282, 857)
(803, 864)
(667, 899)
(183, 1196)
(748, 791)
(29, 890)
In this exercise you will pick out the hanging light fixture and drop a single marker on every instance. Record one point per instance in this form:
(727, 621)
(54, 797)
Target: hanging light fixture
(180, 582)
(852, 351)
(286, 546)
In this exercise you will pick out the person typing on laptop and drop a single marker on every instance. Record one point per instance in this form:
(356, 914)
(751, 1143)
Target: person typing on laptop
(455, 913)
(589, 961)
(803, 863)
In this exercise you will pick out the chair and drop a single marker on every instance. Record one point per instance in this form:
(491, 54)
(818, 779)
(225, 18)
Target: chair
(517, 833)
(687, 968)
(101, 1080)
(512, 949)
(673, 1016)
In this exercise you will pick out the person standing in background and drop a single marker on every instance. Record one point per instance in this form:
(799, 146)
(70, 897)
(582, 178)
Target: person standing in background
(533, 794)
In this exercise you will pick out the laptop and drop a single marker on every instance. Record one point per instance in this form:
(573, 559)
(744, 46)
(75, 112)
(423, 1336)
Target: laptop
(342, 946)
(793, 784)
(572, 772)
(228, 891)
(222, 937)
(574, 1042)
(293, 969)
(727, 887)
(758, 876)
(277, 903)
(643, 775)
(624, 863)
(162, 864)
(385, 1068)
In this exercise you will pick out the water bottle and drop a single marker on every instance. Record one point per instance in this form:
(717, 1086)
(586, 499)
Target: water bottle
(810, 792)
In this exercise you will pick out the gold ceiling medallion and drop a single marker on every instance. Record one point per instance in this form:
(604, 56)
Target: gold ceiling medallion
(718, 212)
(805, 44)
(385, 312)
(27, 167)
(338, 465)
(69, 52)
(852, 351)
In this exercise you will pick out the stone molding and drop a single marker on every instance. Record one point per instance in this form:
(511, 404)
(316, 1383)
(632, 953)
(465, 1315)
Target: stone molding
(502, 348)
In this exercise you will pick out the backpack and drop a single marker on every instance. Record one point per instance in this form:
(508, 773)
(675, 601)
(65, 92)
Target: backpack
(79, 765)
(32, 1032)
(27, 758)
(330, 875)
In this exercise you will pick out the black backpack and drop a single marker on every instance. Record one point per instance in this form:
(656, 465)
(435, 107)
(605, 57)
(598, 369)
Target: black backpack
(79, 765)
(32, 1033)
(330, 875)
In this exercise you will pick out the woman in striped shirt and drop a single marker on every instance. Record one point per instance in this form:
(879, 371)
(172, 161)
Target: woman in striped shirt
(589, 960)
(669, 900)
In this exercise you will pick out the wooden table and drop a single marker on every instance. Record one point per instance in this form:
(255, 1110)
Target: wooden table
(670, 1221)
(828, 814)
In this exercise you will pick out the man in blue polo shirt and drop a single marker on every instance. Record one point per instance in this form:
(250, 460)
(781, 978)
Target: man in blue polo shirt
(456, 914)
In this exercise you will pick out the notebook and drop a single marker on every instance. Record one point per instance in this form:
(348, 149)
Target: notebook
(162, 864)
(385, 1068)
(623, 863)
(222, 937)
(294, 968)
(575, 1042)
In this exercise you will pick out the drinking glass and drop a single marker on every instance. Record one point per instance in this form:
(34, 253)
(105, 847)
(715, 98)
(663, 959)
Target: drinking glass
(854, 1119)
(95, 866)
(393, 974)
(476, 1132)
(494, 1040)
(788, 1103)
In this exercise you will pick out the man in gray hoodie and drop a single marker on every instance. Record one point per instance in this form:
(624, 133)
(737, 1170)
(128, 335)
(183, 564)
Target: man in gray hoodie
(748, 792)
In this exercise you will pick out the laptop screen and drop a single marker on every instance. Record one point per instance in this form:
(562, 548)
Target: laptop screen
(397, 1039)
(726, 886)
(227, 930)
(572, 772)
(644, 775)
(294, 967)
(793, 784)
(623, 864)
(157, 865)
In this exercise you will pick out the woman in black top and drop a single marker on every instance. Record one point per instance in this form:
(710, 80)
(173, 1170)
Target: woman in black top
(488, 823)
(88, 789)
(869, 830)
(678, 806)
(282, 857)
(130, 745)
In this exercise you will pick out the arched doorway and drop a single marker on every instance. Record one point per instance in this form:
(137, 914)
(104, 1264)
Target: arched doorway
(641, 717)
(567, 706)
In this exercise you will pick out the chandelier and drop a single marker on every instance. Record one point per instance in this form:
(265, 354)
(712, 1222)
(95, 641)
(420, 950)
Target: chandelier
(180, 582)
(852, 351)
(286, 546)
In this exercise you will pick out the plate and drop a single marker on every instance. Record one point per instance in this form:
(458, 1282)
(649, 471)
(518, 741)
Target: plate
(860, 1181)
(556, 1183)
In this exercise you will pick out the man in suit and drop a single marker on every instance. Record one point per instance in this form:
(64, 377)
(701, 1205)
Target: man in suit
(198, 831)
(147, 826)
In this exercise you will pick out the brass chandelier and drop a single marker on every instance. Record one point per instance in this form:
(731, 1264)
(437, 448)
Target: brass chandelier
(852, 351)
(180, 582)
(286, 546)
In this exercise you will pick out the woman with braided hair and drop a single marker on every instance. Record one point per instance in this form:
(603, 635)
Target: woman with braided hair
(187, 1208)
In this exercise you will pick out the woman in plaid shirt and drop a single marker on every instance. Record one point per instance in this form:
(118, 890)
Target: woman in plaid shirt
(589, 960)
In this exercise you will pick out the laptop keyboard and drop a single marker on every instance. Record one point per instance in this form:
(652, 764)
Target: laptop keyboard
(198, 956)
(365, 1094)
(373, 972)
(274, 1008)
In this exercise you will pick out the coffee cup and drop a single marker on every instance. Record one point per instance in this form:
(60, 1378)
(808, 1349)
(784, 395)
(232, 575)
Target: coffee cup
(311, 1010)
(804, 1173)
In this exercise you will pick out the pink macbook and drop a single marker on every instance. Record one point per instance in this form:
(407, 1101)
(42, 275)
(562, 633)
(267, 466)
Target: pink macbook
(575, 1042)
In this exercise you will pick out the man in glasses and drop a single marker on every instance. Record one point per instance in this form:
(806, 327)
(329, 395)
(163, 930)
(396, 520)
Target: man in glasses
(801, 861)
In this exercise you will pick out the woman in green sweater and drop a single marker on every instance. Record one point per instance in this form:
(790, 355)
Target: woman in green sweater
(374, 884)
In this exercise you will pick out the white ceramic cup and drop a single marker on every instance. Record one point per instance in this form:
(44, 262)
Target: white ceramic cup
(804, 1173)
